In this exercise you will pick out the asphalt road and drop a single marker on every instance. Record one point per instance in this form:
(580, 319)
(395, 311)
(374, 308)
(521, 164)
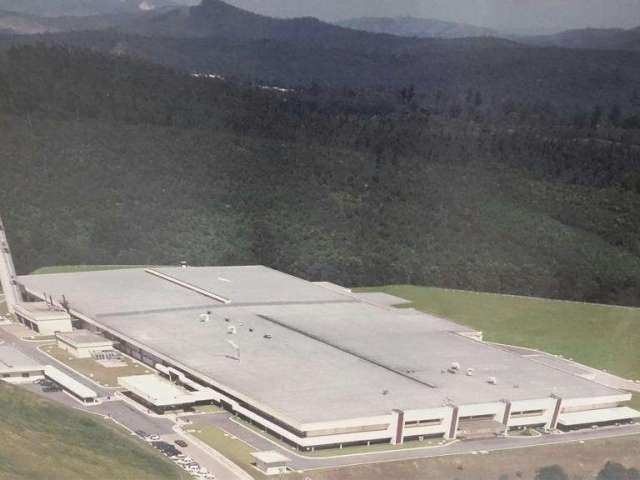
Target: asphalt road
(223, 421)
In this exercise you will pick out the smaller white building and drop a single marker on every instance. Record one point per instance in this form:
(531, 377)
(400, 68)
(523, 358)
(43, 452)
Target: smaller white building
(15, 367)
(83, 343)
(271, 462)
(159, 394)
(71, 385)
(43, 318)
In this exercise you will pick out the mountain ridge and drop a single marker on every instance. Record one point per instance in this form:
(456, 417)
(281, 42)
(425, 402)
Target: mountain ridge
(588, 38)
(409, 26)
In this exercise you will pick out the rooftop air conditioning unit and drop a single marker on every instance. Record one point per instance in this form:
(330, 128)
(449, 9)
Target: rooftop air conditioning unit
(492, 381)
(455, 366)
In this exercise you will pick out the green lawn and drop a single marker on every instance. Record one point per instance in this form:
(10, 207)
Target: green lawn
(42, 440)
(3, 305)
(605, 337)
(81, 268)
(107, 377)
(234, 449)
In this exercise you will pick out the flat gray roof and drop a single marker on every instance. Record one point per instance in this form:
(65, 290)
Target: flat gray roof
(10, 357)
(330, 356)
(80, 337)
(115, 291)
(254, 284)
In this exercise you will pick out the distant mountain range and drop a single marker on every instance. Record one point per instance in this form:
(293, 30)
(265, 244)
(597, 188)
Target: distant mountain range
(59, 8)
(416, 27)
(588, 38)
(217, 38)
(215, 18)
(592, 38)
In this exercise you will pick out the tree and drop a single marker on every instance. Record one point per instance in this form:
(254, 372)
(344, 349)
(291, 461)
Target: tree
(596, 116)
(615, 471)
(615, 115)
(552, 472)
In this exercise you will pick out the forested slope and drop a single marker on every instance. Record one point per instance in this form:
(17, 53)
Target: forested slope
(114, 161)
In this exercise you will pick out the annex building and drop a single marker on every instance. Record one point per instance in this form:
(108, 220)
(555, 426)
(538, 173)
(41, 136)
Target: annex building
(316, 364)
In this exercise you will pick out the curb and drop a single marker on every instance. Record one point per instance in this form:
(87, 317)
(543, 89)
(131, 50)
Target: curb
(241, 473)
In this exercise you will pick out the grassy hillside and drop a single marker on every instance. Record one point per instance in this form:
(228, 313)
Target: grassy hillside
(41, 440)
(601, 336)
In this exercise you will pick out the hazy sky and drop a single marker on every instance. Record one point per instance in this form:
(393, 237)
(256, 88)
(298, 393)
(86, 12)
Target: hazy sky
(514, 15)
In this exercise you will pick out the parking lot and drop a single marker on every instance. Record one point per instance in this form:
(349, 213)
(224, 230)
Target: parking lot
(195, 460)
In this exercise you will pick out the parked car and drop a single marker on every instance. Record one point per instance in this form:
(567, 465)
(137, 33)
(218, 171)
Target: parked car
(181, 443)
(52, 389)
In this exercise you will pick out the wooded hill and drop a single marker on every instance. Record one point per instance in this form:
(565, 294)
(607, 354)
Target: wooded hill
(109, 160)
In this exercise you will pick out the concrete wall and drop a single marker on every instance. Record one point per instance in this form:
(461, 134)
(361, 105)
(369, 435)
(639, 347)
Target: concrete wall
(50, 327)
(82, 352)
(547, 405)
(581, 404)
(445, 414)
(16, 376)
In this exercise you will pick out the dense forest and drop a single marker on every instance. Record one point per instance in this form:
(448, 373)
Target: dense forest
(107, 159)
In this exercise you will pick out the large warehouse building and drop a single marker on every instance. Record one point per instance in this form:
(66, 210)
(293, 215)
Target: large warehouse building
(316, 364)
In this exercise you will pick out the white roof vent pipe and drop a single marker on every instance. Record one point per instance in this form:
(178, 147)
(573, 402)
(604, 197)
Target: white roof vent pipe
(470, 372)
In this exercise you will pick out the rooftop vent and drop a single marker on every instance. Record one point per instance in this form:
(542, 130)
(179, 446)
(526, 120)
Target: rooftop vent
(268, 336)
(492, 381)
(454, 368)
(236, 348)
(470, 372)
(231, 330)
(205, 317)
